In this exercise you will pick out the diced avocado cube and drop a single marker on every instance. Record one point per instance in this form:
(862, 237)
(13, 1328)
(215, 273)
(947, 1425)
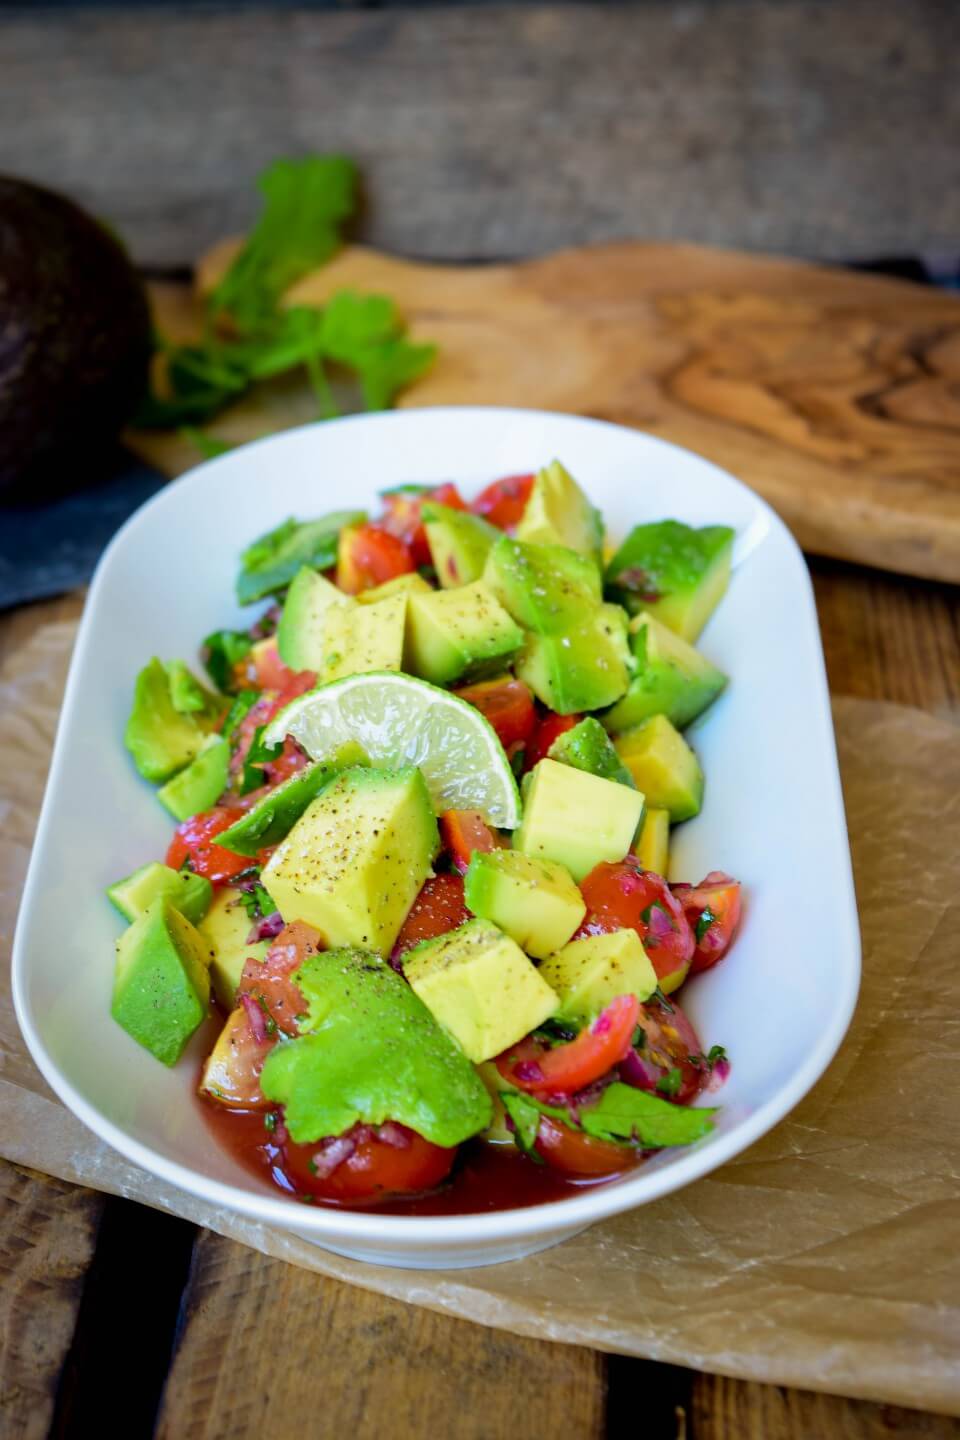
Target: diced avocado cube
(534, 901)
(546, 588)
(356, 859)
(672, 678)
(588, 747)
(161, 986)
(411, 584)
(652, 848)
(371, 1051)
(585, 669)
(225, 931)
(459, 543)
(664, 767)
(300, 634)
(201, 784)
(587, 974)
(189, 697)
(461, 634)
(190, 894)
(676, 573)
(274, 815)
(576, 819)
(160, 738)
(480, 986)
(559, 513)
(271, 562)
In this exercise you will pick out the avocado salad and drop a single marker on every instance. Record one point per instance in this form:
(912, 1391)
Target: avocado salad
(423, 808)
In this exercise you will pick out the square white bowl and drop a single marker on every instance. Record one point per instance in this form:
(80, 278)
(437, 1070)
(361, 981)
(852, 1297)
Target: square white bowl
(773, 814)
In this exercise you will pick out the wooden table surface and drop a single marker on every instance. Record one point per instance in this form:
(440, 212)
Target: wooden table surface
(213, 1339)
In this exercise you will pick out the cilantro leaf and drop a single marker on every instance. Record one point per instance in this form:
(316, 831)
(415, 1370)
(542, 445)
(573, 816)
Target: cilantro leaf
(670, 1083)
(209, 446)
(365, 333)
(623, 1114)
(222, 650)
(707, 918)
(525, 1115)
(270, 563)
(257, 756)
(244, 701)
(306, 204)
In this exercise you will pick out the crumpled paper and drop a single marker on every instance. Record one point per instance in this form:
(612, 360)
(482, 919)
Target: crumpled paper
(825, 1257)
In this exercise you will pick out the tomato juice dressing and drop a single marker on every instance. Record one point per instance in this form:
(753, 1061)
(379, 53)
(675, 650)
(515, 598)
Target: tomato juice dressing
(485, 1177)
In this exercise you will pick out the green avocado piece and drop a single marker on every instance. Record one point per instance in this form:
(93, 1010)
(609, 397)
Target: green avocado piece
(535, 902)
(371, 1052)
(225, 929)
(672, 678)
(270, 563)
(586, 668)
(201, 784)
(461, 635)
(189, 697)
(664, 767)
(559, 513)
(576, 819)
(459, 543)
(588, 747)
(546, 588)
(588, 973)
(674, 572)
(273, 816)
(305, 610)
(161, 986)
(160, 739)
(135, 893)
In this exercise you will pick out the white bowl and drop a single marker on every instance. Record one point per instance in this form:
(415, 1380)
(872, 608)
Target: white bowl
(773, 814)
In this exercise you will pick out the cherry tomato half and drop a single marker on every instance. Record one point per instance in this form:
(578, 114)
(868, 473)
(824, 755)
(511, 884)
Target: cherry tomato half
(667, 1057)
(231, 1076)
(576, 1154)
(269, 670)
(508, 705)
(402, 516)
(565, 1069)
(550, 728)
(368, 556)
(621, 895)
(504, 502)
(439, 907)
(268, 981)
(713, 910)
(462, 832)
(367, 1164)
(194, 841)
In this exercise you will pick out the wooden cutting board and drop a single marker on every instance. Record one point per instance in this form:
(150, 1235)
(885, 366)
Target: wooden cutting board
(834, 394)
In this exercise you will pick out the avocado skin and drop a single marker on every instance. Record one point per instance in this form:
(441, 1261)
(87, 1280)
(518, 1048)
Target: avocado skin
(75, 337)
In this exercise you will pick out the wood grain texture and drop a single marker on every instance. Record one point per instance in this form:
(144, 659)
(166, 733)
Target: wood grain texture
(723, 1409)
(47, 1237)
(269, 1349)
(821, 129)
(835, 395)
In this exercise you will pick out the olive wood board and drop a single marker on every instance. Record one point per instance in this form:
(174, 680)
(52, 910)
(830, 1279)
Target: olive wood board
(833, 393)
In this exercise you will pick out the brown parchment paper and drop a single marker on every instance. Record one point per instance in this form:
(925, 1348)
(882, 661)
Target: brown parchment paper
(826, 1257)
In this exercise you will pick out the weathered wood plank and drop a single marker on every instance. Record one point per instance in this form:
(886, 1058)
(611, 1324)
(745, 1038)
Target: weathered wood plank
(47, 1237)
(506, 130)
(737, 1410)
(269, 1349)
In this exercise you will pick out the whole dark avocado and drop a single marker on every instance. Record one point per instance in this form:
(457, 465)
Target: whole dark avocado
(75, 338)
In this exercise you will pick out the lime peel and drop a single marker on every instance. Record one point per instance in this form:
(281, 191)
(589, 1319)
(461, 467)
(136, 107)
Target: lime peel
(402, 721)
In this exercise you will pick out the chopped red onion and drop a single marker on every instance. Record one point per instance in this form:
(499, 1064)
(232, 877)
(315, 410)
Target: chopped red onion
(332, 1154)
(266, 929)
(256, 1017)
(529, 1071)
(638, 1072)
(602, 1023)
(394, 1135)
(718, 1075)
(660, 925)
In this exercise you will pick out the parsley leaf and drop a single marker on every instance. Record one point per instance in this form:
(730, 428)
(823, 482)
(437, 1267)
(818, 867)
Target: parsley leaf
(243, 702)
(556, 1032)
(707, 918)
(222, 650)
(623, 1114)
(525, 1115)
(306, 203)
(270, 563)
(209, 446)
(365, 333)
(670, 1083)
(257, 903)
(257, 756)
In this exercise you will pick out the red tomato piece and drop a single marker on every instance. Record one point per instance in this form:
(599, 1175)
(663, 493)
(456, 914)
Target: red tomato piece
(508, 705)
(713, 910)
(194, 841)
(402, 516)
(565, 1069)
(620, 895)
(269, 670)
(367, 1164)
(576, 1154)
(462, 832)
(550, 728)
(268, 981)
(369, 556)
(504, 502)
(232, 1076)
(439, 907)
(667, 1059)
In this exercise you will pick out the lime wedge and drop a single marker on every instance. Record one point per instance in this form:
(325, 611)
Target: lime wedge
(402, 721)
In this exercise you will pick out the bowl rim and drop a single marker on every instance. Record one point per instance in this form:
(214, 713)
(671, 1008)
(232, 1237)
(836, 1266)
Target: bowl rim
(365, 1226)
